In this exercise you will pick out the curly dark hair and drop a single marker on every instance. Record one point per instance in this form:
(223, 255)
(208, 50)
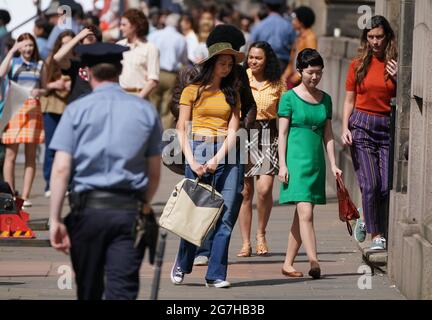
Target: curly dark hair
(305, 15)
(229, 85)
(272, 70)
(138, 20)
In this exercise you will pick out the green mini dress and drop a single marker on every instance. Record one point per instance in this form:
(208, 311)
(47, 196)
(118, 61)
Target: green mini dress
(305, 150)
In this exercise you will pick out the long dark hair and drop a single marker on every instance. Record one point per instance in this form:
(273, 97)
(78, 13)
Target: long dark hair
(53, 69)
(365, 51)
(228, 86)
(272, 70)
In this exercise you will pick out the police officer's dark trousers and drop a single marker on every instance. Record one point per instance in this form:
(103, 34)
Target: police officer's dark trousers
(105, 262)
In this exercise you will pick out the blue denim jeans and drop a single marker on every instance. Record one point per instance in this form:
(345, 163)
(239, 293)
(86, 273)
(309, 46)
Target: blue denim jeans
(205, 249)
(51, 121)
(226, 182)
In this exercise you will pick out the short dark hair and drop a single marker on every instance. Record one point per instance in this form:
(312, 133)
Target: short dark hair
(309, 58)
(43, 24)
(305, 15)
(5, 17)
(106, 71)
(274, 7)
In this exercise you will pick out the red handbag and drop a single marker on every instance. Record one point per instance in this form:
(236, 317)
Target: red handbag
(347, 209)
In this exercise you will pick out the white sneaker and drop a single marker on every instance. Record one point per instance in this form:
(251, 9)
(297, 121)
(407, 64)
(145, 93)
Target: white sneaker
(177, 275)
(201, 261)
(378, 244)
(217, 284)
(27, 204)
(47, 194)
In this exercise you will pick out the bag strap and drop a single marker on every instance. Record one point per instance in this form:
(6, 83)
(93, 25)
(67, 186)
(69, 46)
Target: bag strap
(213, 191)
(349, 228)
(213, 194)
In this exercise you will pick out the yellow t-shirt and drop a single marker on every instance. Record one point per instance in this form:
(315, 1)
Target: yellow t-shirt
(266, 98)
(210, 114)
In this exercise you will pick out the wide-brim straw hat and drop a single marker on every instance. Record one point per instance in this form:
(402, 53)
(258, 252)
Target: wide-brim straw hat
(224, 48)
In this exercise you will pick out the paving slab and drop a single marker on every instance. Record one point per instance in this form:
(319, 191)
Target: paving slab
(35, 272)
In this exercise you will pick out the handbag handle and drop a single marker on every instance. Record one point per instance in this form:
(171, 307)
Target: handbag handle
(213, 195)
(213, 191)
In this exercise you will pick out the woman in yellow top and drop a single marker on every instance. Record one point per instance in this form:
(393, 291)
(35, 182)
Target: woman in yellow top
(264, 79)
(211, 104)
(303, 18)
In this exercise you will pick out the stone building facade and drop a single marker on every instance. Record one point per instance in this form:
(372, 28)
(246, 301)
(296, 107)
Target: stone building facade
(410, 216)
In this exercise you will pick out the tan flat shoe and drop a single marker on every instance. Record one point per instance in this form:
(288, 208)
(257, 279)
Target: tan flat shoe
(245, 251)
(261, 245)
(292, 274)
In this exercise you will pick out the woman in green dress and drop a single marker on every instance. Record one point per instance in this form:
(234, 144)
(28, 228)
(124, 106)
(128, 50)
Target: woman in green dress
(305, 125)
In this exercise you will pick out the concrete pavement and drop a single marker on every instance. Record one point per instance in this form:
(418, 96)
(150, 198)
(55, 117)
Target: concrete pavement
(38, 272)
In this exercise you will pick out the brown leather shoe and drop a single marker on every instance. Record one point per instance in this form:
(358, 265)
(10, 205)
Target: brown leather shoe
(292, 274)
(315, 272)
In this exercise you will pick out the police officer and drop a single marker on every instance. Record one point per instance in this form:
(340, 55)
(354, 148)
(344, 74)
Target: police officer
(109, 141)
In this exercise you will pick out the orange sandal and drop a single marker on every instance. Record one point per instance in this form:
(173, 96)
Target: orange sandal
(245, 251)
(261, 245)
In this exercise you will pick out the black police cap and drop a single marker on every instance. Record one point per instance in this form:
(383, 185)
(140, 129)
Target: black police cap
(93, 54)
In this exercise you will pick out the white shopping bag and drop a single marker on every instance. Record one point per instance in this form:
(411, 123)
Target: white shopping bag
(15, 97)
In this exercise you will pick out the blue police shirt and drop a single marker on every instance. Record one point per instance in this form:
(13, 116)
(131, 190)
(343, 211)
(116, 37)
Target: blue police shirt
(278, 32)
(109, 134)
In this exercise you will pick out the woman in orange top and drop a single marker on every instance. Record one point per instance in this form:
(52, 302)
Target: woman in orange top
(370, 85)
(264, 79)
(303, 20)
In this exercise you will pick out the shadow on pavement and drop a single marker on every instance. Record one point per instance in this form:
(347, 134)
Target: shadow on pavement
(260, 261)
(11, 283)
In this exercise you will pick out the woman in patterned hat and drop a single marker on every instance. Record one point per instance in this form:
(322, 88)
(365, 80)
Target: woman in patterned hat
(211, 104)
(264, 79)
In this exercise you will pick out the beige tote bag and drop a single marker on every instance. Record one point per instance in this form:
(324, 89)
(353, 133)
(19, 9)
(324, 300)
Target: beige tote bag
(192, 210)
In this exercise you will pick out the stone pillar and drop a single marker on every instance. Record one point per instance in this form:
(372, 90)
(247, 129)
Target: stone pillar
(389, 9)
(410, 236)
(398, 195)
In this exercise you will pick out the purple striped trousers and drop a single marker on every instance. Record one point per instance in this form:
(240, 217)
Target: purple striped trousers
(370, 156)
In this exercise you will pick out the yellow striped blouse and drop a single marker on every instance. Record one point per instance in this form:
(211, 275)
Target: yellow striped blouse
(210, 114)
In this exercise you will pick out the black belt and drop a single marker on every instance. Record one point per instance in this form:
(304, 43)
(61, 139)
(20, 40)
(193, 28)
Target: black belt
(101, 199)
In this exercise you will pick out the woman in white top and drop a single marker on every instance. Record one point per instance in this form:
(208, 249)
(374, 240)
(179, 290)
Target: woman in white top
(140, 74)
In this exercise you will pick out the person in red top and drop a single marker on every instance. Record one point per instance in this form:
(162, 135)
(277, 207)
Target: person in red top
(370, 85)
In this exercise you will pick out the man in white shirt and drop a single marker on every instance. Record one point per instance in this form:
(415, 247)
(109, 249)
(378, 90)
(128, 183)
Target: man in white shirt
(173, 56)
